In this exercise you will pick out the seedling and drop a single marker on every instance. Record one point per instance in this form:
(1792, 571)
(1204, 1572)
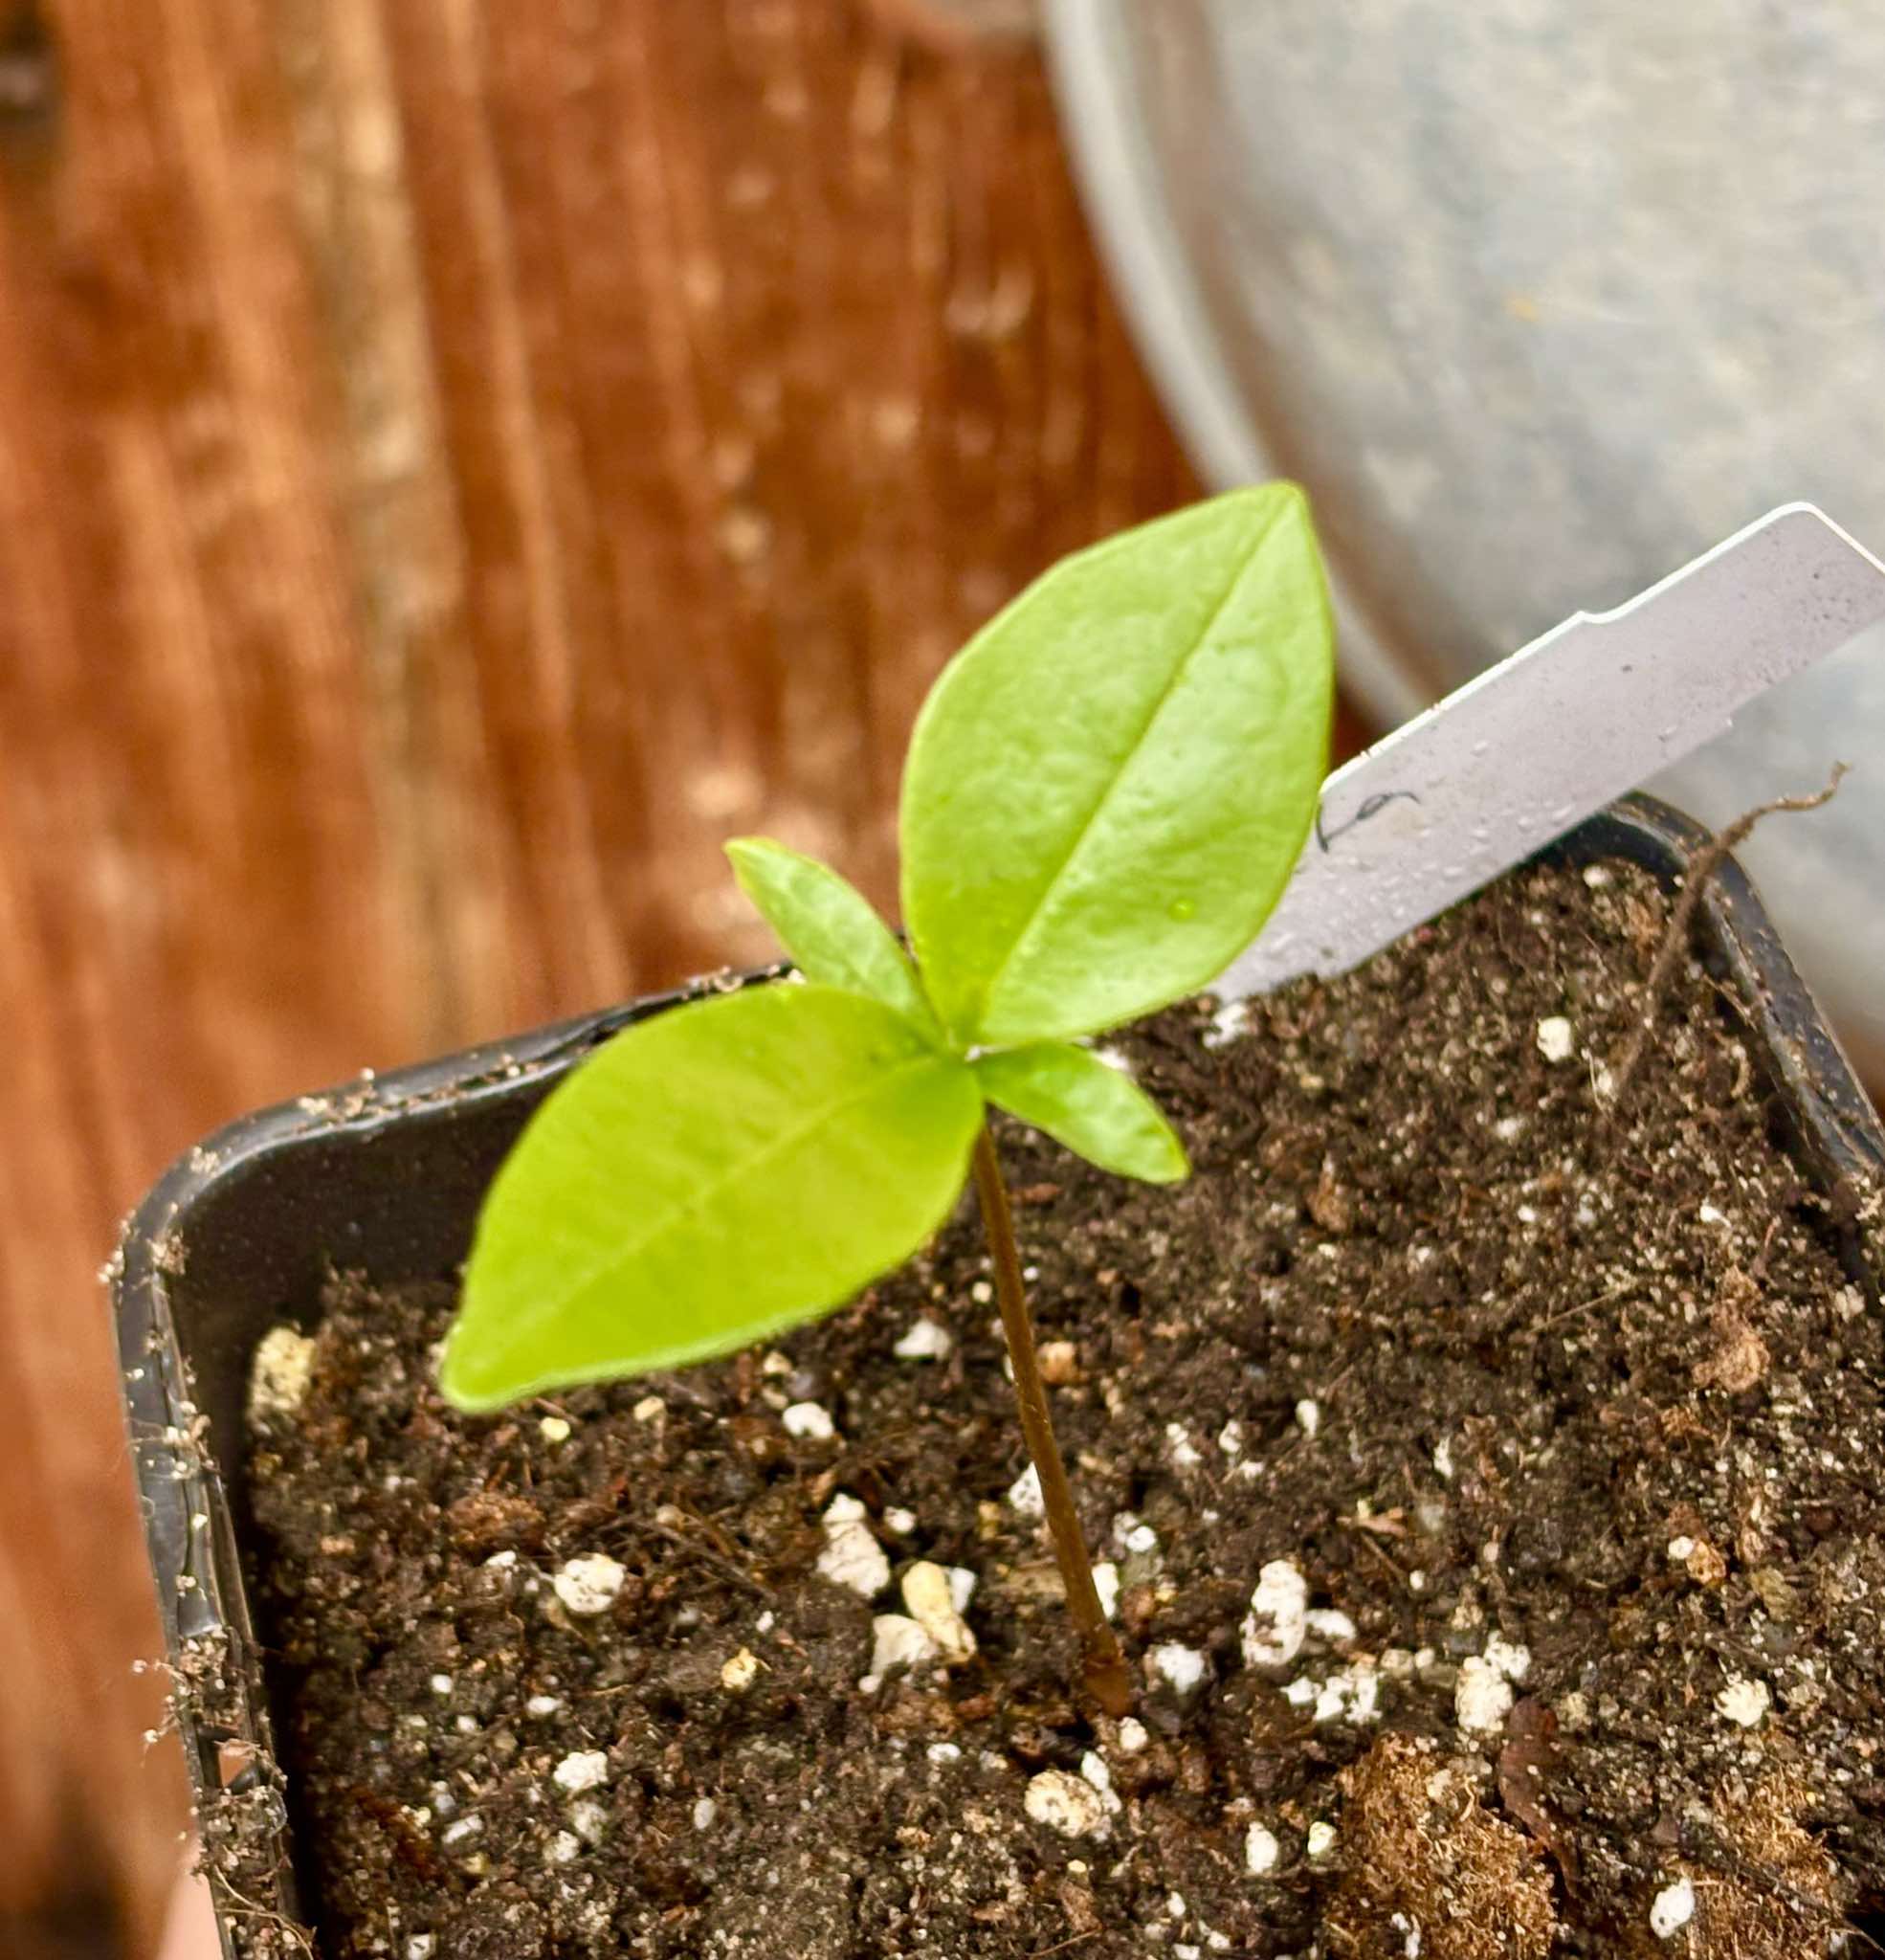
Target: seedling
(1104, 796)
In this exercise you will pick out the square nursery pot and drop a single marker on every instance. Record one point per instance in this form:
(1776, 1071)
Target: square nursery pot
(384, 1176)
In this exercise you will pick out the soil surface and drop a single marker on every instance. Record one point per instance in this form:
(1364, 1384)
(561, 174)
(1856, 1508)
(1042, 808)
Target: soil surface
(1550, 1444)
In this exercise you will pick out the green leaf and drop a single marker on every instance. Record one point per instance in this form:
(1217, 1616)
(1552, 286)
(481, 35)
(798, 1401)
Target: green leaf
(711, 1175)
(829, 926)
(1097, 1110)
(1109, 787)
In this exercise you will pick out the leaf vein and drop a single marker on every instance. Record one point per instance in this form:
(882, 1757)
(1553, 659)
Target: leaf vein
(691, 1209)
(1180, 667)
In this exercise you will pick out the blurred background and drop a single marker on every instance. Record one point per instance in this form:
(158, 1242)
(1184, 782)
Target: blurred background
(460, 460)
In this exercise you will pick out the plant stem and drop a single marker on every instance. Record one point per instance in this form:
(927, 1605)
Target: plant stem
(1103, 1663)
(1696, 876)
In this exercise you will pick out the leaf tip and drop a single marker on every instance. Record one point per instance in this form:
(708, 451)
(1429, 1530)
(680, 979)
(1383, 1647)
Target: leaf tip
(1278, 502)
(477, 1373)
(461, 1383)
(1164, 1161)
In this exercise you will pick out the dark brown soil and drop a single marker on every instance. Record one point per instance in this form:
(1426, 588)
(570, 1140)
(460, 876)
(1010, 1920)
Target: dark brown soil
(1490, 1374)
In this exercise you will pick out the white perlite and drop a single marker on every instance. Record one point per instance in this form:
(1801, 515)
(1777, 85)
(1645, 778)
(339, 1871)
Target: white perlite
(1279, 1618)
(925, 1340)
(1309, 1416)
(1106, 1583)
(1025, 1494)
(580, 1770)
(587, 1585)
(1133, 1736)
(1351, 1696)
(1508, 1657)
(810, 1422)
(705, 1810)
(280, 1374)
(1327, 1624)
(852, 1557)
(1672, 1909)
(929, 1593)
(1181, 1668)
(1261, 1851)
(1184, 1451)
(1321, 1840)
(1554, 1040)
(554, 1429)
(1092, 1767)
(898, 1642)
(1482, 1697)
(1744, 1701)
(1068, 1804)
(740, 1672)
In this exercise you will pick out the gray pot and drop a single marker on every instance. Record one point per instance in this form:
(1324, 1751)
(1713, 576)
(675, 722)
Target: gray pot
(1540, 299)
(386, 1177)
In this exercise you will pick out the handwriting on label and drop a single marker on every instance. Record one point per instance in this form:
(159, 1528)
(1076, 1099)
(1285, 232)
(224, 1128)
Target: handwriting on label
(1371, 807)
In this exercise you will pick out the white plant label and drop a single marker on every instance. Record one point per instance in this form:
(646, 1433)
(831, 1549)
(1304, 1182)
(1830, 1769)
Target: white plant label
(1533, 746)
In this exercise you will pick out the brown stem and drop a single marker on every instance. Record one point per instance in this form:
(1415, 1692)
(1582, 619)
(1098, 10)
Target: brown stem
(1697, 873)
(1103, 1665)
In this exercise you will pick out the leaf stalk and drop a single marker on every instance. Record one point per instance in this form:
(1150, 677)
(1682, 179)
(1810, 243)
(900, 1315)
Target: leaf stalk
(1103, 1665)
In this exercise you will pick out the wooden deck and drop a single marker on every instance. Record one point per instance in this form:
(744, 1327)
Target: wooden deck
(458, 462)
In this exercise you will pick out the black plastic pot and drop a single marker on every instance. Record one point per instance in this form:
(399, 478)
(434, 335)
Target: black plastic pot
(384, 1176)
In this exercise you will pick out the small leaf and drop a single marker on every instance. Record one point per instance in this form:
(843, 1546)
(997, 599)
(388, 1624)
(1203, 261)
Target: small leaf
(1108, 788)
(725, 1169)
(1098, 1112)
(829, 926)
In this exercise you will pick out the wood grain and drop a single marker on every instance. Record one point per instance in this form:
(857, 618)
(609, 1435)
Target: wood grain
(458, 462)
